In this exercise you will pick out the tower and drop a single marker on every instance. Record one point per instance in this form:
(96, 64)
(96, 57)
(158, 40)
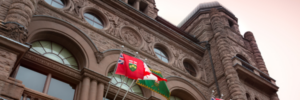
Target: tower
(236, 57)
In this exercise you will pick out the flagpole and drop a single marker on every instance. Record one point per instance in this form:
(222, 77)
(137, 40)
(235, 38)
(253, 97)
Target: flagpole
(128, 89)
(114, 70)
(133, 80)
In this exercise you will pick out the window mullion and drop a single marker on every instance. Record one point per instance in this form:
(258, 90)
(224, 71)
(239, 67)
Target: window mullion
(47, 83)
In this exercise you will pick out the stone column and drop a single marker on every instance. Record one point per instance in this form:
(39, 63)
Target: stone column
(93, 90)
(17, 19)
(125, 1)
(85, 88)
(137, 5)
(220, 37)
(259, 60)
(100, 91)
(21, 11)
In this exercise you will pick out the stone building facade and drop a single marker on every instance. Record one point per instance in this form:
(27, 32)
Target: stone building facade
(67, 49)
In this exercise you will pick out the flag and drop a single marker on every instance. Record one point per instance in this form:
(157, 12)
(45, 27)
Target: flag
(130, 67)
(150, 76)
(159, 87)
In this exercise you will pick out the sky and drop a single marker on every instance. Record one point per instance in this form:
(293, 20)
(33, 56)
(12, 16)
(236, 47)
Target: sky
(275, 25)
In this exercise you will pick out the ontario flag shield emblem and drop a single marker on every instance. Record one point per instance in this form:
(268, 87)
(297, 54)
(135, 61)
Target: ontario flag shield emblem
(132, 65)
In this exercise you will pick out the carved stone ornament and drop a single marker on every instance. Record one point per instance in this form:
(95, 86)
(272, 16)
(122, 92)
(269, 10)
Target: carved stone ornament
(99, 56)
(14, 31)
(131, 36)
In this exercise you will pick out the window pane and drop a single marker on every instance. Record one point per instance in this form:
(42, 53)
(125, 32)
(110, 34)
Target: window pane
(89, 16)
(70, 61)
(98, 26)
(54, 57)
(56, 48)
(157, 51)
(31, 79)
(46, 45)
(164, 59)
(57, 5)
(90, 21)
(36, 46)
(48, 1)
(65, 53)
(61, 90)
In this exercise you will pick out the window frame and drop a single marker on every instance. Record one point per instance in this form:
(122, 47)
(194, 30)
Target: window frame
(63, 3)
(47, 84)
(162, 54)
(94, 20)
(190, 66)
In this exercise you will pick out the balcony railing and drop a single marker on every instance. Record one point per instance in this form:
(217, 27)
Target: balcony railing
(30, 94)
(254, 70)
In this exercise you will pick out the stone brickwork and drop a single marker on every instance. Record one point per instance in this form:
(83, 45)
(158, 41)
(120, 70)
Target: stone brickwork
(7, 61)
(126, 25)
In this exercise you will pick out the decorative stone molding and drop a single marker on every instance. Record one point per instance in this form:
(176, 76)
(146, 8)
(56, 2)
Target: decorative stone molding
(50, 65)
(14, 31)
(99, 56)
(95, 76)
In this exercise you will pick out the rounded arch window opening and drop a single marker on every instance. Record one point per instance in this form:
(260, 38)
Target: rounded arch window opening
(117, 80)
(189, 68)
(57, 3)
(161, 55)
(55, 52)
(93, 20)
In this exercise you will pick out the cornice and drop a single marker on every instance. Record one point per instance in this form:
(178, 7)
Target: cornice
(151, 23)
(256, 77)
(48, 65)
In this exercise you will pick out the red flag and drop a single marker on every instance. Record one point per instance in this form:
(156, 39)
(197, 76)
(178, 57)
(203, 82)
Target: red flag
(131, 67)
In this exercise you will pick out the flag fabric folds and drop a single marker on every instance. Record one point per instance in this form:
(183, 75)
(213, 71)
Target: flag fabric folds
(130, 67)
(150, 76)
(159, 87)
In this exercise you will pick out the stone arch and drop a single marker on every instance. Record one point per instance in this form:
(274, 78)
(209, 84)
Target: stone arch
(65, 34)
(179, 84)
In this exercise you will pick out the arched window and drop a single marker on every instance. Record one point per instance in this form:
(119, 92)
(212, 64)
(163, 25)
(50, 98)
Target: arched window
(189, 68)
(57, 3)
(174, 98)
(93, 20)
(55, 52)
(117, 80)
(161, 55)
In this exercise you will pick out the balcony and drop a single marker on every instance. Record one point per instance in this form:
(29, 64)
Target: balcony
(252, 75)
